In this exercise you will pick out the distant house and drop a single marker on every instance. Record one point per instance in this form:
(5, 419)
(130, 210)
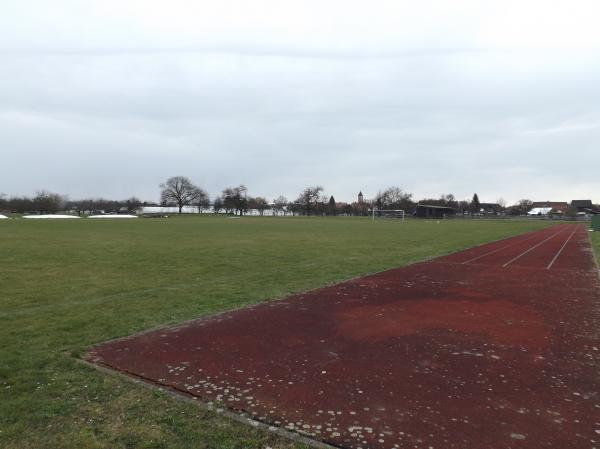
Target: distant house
(428, 211)
(342, 208)
(558, 206)
(490, 208)
(583, 206)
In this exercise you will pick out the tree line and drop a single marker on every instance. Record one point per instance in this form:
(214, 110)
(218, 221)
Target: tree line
(45, 202)
(179, 191)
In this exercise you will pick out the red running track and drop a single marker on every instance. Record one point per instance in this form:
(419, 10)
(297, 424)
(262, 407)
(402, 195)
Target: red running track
(497, 346)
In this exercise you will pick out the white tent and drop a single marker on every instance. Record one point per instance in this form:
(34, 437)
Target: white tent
(112, 216)
(539, 211)
(49, 216)
(166, 210)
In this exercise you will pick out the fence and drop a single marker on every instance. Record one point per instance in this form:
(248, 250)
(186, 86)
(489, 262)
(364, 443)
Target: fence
(582, 218)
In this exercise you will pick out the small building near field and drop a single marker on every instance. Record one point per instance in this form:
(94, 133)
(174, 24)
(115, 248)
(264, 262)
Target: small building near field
(490, 208)
(428, 211)
(583, 206)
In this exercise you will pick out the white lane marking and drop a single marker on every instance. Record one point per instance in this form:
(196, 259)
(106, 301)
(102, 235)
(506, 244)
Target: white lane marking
(530, 249)
(496, 250)
(561, 248)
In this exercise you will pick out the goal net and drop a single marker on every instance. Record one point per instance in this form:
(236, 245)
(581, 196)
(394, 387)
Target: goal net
(388, 213)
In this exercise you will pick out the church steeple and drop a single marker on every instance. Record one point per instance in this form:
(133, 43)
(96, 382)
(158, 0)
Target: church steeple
(360, 197)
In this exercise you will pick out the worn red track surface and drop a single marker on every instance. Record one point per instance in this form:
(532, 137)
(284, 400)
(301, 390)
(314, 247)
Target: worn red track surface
(497, 346)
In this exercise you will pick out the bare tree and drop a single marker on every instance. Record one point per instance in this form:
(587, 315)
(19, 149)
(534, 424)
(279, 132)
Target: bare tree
(449, 200)
(521, 208)
(464, 206)
(394, 198)
(203, 200)
(20, 204)
(48, 202)
(525, 205)
(259, 203)
(309, 198)
(217, 205)
(235, 198)
(295, 207)
(501, 202)
(321, 208)
(279, 204)
(359, 208)
(132, 204)
(180, 191)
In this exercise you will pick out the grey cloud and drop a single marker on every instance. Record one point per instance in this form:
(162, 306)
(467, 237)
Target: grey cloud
(96, 118)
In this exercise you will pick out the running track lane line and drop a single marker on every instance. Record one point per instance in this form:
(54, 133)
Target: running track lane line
(530, 249)
(561, 248)
(499, 249)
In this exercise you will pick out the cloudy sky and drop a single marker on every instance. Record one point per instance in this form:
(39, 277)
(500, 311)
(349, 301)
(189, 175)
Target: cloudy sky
(110, 98)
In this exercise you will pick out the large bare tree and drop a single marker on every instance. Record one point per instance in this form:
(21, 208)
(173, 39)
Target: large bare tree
(279, 204)
(217, 205)
(203, 201)
(235, 198)
(181, 191)
(309, 198)
(48, 202)
(394, 198)
(259, 203)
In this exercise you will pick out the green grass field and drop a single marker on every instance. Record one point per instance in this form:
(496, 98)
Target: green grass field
(66, 285)
(596, 245)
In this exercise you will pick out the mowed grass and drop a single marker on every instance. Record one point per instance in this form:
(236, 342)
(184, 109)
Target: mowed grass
(66, 285)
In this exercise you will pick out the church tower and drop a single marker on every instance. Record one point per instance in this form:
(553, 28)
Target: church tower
(360, 197)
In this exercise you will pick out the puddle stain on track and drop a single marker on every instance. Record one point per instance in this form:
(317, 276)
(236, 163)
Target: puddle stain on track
(449, 353)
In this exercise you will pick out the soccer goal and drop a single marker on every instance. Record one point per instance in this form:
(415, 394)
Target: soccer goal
(388, 213)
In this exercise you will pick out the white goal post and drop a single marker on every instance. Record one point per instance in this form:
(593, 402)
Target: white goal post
(388, 213)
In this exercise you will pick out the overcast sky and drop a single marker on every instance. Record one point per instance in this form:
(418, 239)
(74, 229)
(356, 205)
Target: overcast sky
(110, 98)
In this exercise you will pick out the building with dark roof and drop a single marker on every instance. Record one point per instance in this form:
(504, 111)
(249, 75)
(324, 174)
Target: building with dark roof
(583, 206)
(490, 208)
(561, 206)
(428, 211)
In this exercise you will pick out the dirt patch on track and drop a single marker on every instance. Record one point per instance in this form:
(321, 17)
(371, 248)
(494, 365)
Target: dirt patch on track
(462, 351)
(502, 321)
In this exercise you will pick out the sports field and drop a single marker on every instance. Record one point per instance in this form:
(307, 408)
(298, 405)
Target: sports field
(68, 285)
(488, 347)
